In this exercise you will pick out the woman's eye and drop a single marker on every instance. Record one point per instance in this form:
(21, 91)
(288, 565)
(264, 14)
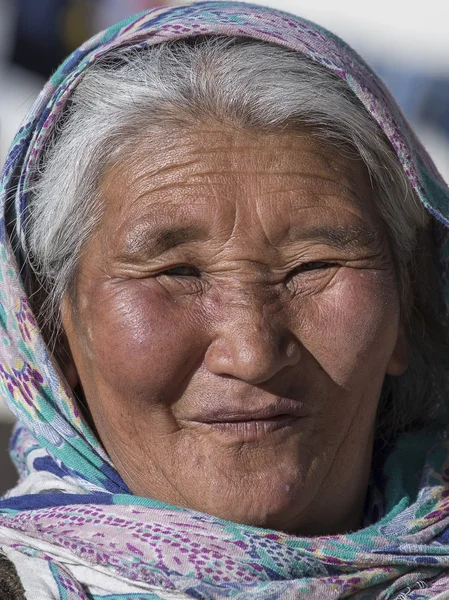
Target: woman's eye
(182, 271)
(311, 266)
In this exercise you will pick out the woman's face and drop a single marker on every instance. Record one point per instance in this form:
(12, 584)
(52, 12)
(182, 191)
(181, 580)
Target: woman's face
(234, 318)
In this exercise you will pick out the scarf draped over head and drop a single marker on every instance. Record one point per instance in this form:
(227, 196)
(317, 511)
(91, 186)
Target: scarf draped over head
(72, 527)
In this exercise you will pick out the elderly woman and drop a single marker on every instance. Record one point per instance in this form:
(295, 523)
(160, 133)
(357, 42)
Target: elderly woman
(234, 384)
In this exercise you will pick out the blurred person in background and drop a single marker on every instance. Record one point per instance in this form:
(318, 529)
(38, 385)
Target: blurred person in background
(224, 288)
(47, 30)
(108, 12)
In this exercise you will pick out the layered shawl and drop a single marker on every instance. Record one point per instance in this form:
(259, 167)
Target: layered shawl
(72, 527)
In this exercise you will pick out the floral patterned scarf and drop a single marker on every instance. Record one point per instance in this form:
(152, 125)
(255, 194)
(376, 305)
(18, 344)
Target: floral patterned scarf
(72, 527)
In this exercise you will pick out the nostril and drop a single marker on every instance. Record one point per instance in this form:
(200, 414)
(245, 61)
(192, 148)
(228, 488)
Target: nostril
(292, 350)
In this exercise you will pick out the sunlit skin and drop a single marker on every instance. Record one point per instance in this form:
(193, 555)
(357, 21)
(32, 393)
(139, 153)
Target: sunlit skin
(234, 317)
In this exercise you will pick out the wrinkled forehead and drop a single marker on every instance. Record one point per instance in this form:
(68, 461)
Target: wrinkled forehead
(229, 184)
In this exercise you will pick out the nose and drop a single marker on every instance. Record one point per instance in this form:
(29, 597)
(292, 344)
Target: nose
(250, 346)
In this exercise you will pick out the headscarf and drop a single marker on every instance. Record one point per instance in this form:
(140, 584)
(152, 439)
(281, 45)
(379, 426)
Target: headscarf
(72, 527)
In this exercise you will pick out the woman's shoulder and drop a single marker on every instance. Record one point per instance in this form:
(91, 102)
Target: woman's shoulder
(29, 577)
(24, 576)
(10, 584)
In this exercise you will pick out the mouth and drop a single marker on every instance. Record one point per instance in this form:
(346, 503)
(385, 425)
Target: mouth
(249, 428)
(251, 425)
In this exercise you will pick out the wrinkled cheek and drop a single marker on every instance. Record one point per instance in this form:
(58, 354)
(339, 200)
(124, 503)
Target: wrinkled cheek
(353, 328)
(143, 344)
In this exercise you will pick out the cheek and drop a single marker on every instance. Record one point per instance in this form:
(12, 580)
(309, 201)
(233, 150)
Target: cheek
(140, 340)
(352, 326)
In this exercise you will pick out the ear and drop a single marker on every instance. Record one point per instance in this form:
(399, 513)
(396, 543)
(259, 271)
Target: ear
(63, 353)
(65, 361)
(71, 374)
(399, 359)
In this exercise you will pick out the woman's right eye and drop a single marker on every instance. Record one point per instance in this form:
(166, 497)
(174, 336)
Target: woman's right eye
(182, 271)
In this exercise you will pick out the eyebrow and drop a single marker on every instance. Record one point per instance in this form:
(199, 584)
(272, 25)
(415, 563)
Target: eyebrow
(342, 237)
(156, 242)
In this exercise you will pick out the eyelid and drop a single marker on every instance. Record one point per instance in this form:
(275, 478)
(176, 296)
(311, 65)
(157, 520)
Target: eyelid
(312, 265)
(306, 267)
(195, 271)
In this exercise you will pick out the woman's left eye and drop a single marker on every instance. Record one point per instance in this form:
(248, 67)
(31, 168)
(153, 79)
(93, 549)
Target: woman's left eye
(182, 271)
(311, 266)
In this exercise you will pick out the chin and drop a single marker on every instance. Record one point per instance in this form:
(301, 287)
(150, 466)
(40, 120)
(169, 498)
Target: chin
(270, 502)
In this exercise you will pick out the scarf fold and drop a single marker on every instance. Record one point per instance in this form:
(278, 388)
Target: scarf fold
(72, 527)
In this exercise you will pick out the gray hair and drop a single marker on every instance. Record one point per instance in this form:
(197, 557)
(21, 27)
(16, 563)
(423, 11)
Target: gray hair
(241, 83)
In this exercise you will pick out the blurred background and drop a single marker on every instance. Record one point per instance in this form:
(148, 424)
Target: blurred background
(407, 43)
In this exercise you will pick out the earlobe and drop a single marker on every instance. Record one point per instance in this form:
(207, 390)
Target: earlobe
(399, 359)
(63, 353)
(66, 363)
(71, 374)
